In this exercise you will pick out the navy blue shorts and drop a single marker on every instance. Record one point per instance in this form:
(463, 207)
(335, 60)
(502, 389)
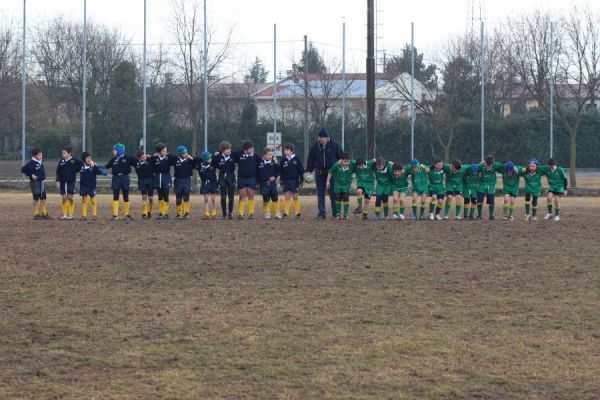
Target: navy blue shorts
(454, 193)
(249, 183)
(38, 190)
(268, 188)
(67, 188)
(162, 181)
(227, 181)
(557, 194)
(291, 185)
(146, 186)
(440, 196)
(87, 191)
(209, 187)
(121, 182)
(183, 185)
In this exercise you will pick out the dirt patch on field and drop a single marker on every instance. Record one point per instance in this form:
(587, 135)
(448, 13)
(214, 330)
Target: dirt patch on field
(299, 308)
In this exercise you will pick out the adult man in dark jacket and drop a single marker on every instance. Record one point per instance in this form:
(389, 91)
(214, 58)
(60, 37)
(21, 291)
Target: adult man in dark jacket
(322, 156)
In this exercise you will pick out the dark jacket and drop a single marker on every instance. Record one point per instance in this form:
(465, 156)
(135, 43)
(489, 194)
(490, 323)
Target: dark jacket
(87, 176)
(34, 168)
(247, 165)
(267, 170)
(121, 165)
(66, 170)
(322, 157)
(291, 169)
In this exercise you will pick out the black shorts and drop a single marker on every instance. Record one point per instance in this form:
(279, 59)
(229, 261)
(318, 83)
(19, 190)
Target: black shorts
(557, 194)
(365, 192)
(87, 191)
(121, 182)
(67, 188)
(146, 186)
(38, 190)
(291, 185)
(209, 187)
(247, 183)
(183, 185)
(454, 193)
(268, 188)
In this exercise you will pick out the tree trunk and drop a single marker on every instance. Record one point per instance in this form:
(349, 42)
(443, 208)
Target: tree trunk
(573, 156)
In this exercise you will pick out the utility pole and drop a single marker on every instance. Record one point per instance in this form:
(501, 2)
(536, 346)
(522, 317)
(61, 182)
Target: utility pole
(305, 73)
(344, 85)
(145, 104)
(84, 65)
(482, 69)
(370, 79)
(274, 79)
(412, 91)
(551, 89)
(205, 80)
(24, 86)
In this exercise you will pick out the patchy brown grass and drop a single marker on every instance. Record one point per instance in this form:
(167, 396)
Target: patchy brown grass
(299, 309)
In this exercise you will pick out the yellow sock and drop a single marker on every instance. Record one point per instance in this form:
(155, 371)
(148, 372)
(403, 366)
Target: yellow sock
(276, 207)
(144, 209)
(296, 206)
(251, 206)
(241, 207)
(125, 208)
(36, 211)
(84, 200)
(286, 207)
(42, 207)
(115, 205)
(63, 207)
(165, 207)
(179, 208)
(150, 204)
(266, 208)
(161, 206)
(186, 207)
(71, 207)
(94, 206)
(214, 212)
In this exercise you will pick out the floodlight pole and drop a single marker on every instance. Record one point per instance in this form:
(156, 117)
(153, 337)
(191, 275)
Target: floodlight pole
(412, 90)
(482, 69)
(145, 106)
(205, 79)
(551, 89)
(274, 78)
(24, 85)
(344, 85)
(84, 83)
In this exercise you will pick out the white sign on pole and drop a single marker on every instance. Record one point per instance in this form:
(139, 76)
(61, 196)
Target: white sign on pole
(274, 142)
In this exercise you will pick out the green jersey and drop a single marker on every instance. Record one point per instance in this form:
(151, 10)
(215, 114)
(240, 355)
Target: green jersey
(487, 178)
(510, 182)
(557, 178)
(470, 184)
(342, 178)
(365, 177)
(384, 180)
(400, 183)
(436, 180)
(455, 179)
(419, 180)
(533, 182)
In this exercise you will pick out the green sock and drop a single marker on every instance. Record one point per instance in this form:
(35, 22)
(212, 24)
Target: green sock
(527, 207)
(534, 211)
(338, 205)
(479, 209)
(431, 206)
(557, 211)
(346, 207)
(447, 208)
(401, 210)
(438, 209)
(549, 208)
(491, 208)
(511, 211)
(467, 210)
(414, 208)
(422, 211)
(458, 209)
(386, 209)
(359, 200)
(505, 210)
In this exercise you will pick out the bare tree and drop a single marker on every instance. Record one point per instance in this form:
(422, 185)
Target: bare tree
(577, 60)
(10, 75)
(188, 30)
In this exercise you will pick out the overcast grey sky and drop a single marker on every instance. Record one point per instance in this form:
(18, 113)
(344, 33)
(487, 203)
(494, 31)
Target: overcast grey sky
(435, 21)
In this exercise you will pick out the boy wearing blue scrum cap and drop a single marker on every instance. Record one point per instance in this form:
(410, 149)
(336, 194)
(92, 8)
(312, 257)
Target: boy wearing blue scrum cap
(184, 170)
(470, 184)
(87, 185)
(268, 172)
(145, 175)
(36, 172)
(66, 176)
(533, 188)
(162, 162)
(510, 189)
(208, 184)
(120, 166)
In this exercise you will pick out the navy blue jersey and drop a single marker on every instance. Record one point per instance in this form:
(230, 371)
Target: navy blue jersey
(36, 168)
(225, 165)
(323, 156)
(247, 164)
(66, 170)
(184, 168)
(144, 169)
(291, 169)
(121, 165)
(87, 176)
(208, 172)
(162, 165)
(267, 169)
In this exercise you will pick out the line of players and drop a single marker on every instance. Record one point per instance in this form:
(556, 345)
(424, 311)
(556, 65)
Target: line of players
(467, 185)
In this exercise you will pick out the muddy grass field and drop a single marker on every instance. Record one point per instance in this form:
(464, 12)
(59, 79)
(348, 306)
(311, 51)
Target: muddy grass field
(299, 308)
